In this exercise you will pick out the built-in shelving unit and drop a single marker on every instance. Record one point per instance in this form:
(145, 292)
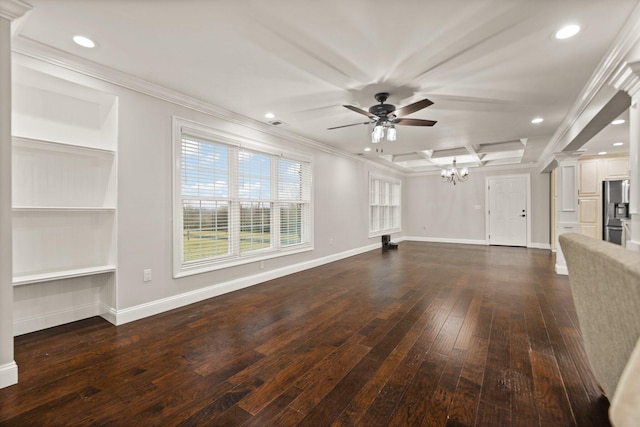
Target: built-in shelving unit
(64, 167)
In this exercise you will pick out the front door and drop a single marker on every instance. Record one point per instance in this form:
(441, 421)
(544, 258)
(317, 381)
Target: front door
(508, 210)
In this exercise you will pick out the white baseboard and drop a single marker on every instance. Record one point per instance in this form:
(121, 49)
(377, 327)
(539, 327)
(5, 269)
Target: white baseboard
(53, 318)
(466, 241)
(633, 245)
(546, 246)
(445, 240)
(108, 313)
(8, 374)
(119, 317)
(562, 269)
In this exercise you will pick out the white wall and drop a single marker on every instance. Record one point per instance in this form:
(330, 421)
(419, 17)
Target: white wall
(144, 205)
(437, 210)
(340, 191)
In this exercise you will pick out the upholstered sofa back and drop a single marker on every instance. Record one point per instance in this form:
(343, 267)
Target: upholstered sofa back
(605, 282)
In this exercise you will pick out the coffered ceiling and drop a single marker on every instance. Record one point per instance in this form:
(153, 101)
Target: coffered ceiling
(489, 66)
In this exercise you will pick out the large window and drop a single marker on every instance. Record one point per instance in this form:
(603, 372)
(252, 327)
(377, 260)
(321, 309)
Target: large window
(385, 196)
(236, 204)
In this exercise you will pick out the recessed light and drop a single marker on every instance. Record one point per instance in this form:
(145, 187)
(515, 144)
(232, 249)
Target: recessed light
(269, 115)
(618, 144)
(617, 122)
(537, 120)
(367, 149)
(84, 41)
(567, 31)
(602, 153)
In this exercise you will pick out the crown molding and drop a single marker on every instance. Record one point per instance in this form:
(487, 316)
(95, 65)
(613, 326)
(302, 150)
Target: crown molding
(28, 49)
(13, 9)
(627, 78)
(610, 66)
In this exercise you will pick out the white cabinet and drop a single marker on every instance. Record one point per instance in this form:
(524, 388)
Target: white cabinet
(593, 170)
(589, 180)
(64, 193)
(617, 167)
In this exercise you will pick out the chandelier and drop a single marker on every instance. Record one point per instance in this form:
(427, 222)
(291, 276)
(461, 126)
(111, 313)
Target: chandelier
(379, 131)
(454, 175)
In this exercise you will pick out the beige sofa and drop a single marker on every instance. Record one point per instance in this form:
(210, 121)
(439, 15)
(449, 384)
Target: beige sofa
(605, 282)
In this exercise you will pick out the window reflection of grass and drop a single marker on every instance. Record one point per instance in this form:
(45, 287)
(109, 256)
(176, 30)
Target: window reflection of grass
(210, 244)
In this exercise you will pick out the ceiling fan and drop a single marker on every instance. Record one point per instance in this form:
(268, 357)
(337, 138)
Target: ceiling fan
(386, 116)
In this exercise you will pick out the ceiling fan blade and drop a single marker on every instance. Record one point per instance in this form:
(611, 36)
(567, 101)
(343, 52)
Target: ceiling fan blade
(352, 124)
(360, 111)
(414, 122)
(412, 108)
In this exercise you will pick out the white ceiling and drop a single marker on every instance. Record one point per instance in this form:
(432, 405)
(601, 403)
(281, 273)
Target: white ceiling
(489, 66)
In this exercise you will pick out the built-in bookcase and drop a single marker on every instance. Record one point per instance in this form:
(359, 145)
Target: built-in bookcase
(64, 167)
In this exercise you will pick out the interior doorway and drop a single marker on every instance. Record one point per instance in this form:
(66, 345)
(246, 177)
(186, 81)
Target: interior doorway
(508, 215)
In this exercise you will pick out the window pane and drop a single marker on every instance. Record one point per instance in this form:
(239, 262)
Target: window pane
(384, 205)
(234, 199)
(291, 217)
(205, 229)
(373, 225)
(205, 169)
(255, 226)
(289, 180)
(254, 175)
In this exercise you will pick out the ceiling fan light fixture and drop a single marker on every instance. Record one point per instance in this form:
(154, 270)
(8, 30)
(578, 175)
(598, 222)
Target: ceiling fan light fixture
(377, 134)
(391, 133)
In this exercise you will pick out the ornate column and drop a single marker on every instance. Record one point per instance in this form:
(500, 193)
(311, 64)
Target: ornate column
(9, 10)
(628, 79)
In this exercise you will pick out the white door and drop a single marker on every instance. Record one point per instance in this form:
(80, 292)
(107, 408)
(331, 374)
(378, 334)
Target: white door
(508, 210)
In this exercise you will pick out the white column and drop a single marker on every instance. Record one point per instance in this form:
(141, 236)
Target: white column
(628, 79)
(633, 242)
(567, 203)
(9, 10)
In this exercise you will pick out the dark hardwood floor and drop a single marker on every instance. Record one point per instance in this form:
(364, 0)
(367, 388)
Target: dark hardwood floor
(430, 334)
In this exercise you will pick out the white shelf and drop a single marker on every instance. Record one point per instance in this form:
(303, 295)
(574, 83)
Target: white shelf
(64, 199)
(44, 144)
(62, 209)
(53, 109)
(54, 174)
(65, 274)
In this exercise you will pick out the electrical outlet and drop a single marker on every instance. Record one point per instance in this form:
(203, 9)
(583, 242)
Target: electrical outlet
(261, 265)
(147, 275)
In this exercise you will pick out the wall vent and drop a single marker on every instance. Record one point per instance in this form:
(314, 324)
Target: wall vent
(277, 123)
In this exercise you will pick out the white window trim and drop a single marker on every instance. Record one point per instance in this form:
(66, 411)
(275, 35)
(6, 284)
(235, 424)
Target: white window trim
(182, 126)
(393, 181)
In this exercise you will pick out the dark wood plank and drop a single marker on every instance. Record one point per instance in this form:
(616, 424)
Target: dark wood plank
(430, 334)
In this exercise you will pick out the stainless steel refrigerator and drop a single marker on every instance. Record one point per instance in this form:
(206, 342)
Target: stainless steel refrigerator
(615, 208)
